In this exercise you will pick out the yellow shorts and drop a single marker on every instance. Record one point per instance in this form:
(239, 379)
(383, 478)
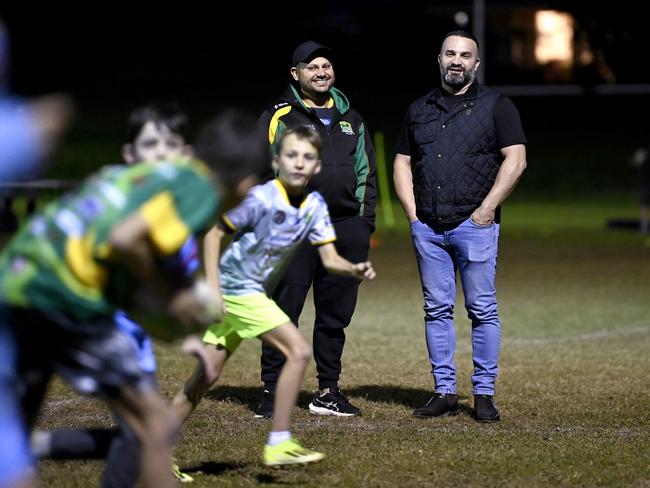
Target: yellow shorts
(247, 316)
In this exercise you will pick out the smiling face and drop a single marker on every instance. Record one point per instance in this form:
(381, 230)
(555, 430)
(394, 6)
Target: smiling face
(315, 78)
(458, 60)
(296, 163)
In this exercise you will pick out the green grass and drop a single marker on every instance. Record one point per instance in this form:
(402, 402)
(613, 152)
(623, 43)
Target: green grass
(573, 387)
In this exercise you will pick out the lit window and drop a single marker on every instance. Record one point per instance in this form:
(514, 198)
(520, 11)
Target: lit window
(554, 37)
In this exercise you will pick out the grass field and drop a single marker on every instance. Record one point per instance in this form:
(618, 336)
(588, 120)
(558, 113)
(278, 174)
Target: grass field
(573, 389)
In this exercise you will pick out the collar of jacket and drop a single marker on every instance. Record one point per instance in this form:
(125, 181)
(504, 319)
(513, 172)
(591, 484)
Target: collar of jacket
(340, 100)
(436, 95)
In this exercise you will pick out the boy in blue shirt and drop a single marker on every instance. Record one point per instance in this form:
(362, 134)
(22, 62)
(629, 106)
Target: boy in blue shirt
(269, 224)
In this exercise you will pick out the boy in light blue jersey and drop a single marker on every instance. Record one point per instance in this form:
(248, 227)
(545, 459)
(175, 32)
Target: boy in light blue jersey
(269, 224)
(29, 128)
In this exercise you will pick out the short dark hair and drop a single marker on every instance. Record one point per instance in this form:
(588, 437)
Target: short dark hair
(303, 133)
(233, 145)
(168, 114)
(461, 33)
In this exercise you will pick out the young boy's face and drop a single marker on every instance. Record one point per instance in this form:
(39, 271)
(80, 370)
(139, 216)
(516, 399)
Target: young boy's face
(296, 163)
(155, 143)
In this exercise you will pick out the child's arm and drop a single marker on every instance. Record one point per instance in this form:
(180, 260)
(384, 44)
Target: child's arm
(130, 245)
(334, 263)
(211, 253)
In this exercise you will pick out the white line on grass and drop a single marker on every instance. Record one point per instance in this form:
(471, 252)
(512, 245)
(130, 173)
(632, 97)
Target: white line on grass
(589, 336)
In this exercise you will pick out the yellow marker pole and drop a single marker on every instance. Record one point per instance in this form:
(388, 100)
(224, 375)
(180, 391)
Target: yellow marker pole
(383, 198)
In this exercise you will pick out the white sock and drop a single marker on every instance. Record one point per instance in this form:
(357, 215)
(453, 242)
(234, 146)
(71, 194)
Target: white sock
(41, 443)
(276, 438)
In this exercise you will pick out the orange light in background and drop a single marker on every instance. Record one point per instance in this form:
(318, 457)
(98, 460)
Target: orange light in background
(554, 41)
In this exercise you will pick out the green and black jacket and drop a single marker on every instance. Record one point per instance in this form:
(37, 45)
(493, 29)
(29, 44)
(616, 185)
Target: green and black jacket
(347, 177)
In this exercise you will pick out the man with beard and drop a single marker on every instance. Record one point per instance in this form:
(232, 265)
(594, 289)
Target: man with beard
(460, 153)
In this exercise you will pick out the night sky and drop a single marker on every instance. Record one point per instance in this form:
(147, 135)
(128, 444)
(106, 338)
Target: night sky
(111, 57)
(231, 52)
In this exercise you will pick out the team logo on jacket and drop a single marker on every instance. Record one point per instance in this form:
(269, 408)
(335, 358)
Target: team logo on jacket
(279, 217)
(346, 128)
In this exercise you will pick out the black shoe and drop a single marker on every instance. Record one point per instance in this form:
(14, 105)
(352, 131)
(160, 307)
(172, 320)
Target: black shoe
(485, 410)
(264, 408)
(332, 403)
(440, 405)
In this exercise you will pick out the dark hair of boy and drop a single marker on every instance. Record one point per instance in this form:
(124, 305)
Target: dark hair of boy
(233, 145)
(168, 114)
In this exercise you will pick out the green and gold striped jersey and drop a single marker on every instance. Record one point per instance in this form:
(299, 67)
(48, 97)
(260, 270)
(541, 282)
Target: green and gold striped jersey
(61, 260)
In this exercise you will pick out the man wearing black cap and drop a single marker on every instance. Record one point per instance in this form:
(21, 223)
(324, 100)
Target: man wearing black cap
(347, 182)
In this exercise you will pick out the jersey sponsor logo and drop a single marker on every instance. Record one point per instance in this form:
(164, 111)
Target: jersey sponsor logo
(309, 216)
(18, 264)
(38, 226)
(346, 128)
(139, 180)
(279, 217)
(112, 194)
(167, 171)
(69, 223)
(90, 207)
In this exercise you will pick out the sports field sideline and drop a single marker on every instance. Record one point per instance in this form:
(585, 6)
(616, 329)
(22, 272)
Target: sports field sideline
(572, 388)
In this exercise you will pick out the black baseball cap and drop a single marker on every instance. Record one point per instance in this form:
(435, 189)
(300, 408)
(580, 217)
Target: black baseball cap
(309, 50)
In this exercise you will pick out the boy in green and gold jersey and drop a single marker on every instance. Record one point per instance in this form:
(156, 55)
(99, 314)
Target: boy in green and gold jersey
(65, 273)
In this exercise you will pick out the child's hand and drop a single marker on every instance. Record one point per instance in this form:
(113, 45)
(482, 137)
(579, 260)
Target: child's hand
(220, 308)
(196, 307)
(188, 310)
(196, 347)
(364, 271)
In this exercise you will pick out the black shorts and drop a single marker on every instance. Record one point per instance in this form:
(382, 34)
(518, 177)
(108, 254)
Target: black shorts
(94, 357)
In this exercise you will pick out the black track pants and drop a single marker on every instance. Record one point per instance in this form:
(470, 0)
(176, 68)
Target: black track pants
(335, 298)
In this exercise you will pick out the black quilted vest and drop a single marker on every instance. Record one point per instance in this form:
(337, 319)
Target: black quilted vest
(454, 158)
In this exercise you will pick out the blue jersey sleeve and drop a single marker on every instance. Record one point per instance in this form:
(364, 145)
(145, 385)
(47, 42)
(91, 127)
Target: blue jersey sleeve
(186, 261)
(20, 146)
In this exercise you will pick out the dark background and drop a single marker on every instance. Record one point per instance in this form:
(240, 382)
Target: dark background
(112, 57)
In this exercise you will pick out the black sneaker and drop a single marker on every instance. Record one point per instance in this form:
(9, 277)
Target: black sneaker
(485, 410)
(439, 405)
(264, 408)
(332, 403)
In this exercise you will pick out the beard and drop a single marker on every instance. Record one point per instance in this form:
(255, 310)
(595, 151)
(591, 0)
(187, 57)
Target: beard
(457, 80)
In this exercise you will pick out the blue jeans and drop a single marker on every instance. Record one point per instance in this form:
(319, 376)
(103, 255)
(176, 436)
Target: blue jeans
(471, 250)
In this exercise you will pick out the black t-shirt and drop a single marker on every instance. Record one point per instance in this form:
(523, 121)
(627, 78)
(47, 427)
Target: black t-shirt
(506, 118)
(451, 100)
